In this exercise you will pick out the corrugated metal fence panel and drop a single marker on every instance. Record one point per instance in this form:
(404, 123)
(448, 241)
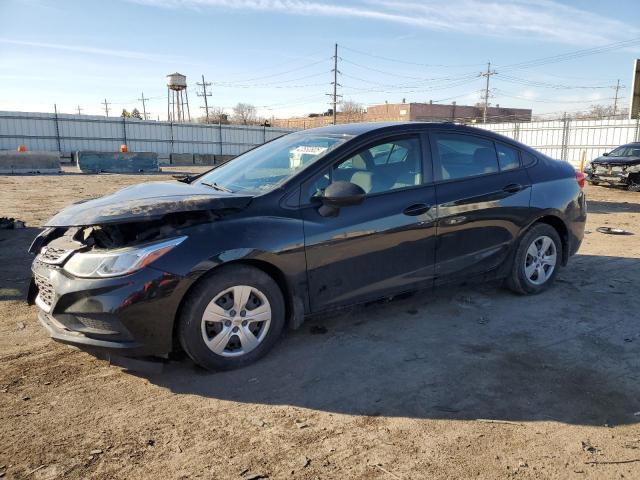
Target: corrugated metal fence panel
(37, 131)
(573, 137)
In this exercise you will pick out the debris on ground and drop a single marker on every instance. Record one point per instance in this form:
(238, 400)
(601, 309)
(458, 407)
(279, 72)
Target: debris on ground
(613, 231)
(8, 223)
(587, 447)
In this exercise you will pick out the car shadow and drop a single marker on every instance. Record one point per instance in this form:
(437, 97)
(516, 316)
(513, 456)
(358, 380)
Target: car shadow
(571, 354)
(612, 207)
(15, 262)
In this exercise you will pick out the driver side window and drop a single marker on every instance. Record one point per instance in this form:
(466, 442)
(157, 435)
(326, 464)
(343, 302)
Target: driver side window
(384, 166)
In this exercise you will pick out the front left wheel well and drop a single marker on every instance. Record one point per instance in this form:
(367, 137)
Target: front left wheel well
(293, 315)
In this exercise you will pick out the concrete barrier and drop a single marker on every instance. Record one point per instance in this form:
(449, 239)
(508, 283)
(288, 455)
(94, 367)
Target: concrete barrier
(204, 159)
(220, 159)
(29, 162)
(181, 159)
(117, 162)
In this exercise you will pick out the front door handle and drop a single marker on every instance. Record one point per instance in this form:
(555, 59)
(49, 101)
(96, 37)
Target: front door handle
(513, 188)
(416, 209)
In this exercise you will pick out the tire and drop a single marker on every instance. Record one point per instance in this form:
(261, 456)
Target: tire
(525, 278)
(634, 183)
(224, 338)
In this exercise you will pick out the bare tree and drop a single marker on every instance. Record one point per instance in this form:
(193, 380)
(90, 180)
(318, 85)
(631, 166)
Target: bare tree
(135, 113)
(601, 111)
(244, 113)
(216, 115)
(350, 107)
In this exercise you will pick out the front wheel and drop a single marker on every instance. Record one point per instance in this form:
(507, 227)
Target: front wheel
(232, 318)
(536, 261)
(634, 182)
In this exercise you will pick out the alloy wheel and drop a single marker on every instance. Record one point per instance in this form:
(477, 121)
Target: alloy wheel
(236, 321)
(540, 260)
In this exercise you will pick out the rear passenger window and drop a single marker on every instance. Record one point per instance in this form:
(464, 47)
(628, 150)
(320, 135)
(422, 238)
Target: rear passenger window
(464, 155)
(508, 157)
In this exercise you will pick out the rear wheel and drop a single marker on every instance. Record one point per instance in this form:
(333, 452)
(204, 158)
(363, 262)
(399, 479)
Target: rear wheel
(232, 318)
(536, 261)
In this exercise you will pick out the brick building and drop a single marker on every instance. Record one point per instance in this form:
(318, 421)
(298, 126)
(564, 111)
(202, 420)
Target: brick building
(412, 112)
(436, 112)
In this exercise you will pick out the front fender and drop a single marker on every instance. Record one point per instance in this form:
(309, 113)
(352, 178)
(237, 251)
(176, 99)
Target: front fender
(276, 243)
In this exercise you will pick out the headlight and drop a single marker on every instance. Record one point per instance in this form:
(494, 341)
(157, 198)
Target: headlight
(114, 263)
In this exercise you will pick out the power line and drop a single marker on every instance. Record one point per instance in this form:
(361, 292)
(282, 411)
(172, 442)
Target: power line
(282, 73)
(615, 101)
(557, 86)
(544, 100)
(335, 84)
(488, 75)
(572, 55)
(204, 94)
(144, 106)
(106, 107)
(406, 62)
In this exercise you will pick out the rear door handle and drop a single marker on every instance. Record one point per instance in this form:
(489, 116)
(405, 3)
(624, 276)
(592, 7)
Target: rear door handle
(513, 188)
(416, 209)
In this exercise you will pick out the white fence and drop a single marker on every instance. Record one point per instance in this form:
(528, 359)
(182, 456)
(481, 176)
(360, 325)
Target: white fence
(568, 139)
(69, 133)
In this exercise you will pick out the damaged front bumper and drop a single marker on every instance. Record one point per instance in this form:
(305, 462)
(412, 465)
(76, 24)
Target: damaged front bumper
(130, 316)
(614, 175)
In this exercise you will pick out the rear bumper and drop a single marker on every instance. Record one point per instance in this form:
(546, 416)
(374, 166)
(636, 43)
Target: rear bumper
(126, 316)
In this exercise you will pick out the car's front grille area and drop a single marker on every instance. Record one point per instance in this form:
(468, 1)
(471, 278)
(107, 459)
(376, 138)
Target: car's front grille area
(52, 255)
(45, 290)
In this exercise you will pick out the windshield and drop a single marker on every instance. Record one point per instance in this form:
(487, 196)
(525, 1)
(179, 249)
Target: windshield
(268, 166)
(619, 152)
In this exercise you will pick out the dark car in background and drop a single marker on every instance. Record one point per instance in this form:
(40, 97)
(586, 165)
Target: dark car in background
(316, 220)
(620, 167)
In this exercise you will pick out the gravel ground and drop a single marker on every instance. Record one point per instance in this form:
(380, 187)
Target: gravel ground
(459, 383)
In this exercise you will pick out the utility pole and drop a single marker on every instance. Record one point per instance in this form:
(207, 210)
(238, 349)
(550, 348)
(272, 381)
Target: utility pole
(334, 96)
(144, 106)
(106, 107)
(79, 110)
(204, 94)
(487, 74)
(615, 100)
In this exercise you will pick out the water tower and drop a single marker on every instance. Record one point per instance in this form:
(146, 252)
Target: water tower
(177, 98)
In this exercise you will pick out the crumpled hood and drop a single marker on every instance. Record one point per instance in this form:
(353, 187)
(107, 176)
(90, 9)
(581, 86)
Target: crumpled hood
(620, 161)
(146, 201)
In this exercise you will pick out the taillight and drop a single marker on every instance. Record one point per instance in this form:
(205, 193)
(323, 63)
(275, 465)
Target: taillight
(580, 179)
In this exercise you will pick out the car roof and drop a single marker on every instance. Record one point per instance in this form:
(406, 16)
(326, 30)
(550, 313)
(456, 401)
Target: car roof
(366, 127)
(356, 129)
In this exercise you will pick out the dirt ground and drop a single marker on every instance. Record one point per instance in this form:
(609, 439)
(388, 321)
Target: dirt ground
(461, 383)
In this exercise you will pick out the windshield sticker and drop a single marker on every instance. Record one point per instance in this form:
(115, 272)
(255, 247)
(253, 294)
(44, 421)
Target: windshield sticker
(303, 153)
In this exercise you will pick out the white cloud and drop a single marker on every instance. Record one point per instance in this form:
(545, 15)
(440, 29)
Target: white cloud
(540, 19)
(126, 54)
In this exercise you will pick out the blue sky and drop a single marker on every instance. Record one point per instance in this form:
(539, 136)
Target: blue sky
(276, 54)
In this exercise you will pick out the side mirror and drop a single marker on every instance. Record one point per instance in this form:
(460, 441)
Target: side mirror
(340, 194)
(605, 154)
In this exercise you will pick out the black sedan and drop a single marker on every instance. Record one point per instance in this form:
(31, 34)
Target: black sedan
(317, 220)
(620, 167)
